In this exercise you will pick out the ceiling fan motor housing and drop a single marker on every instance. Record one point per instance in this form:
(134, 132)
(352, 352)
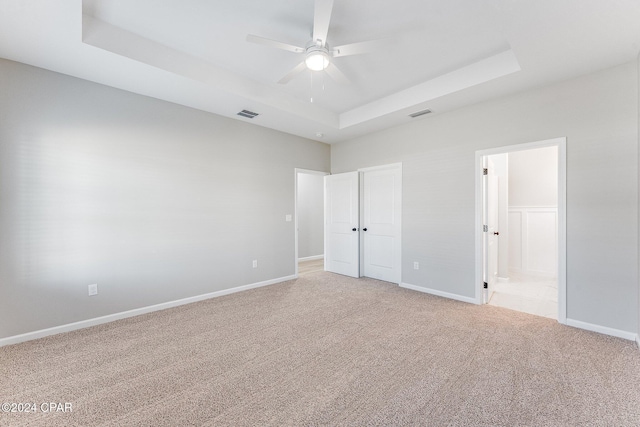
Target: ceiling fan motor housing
(317, 57)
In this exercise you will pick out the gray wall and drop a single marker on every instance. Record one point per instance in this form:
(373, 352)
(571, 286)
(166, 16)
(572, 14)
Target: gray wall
(310, 215)
(150, 200)
(598, 115)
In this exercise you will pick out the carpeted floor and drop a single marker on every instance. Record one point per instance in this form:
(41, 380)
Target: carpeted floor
(326, 350)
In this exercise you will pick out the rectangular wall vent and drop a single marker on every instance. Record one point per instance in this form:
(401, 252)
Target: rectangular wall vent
(248, 114)
(419, 113)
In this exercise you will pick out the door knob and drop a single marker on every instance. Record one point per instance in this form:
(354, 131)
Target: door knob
(354, 229)
(496, 233)
(364, 229)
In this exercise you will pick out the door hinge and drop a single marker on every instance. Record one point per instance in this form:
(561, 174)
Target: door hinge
(485, 171)
(485, 228)
(485, 285)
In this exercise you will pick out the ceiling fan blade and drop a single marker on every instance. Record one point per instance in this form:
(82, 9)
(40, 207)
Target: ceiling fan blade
(273, 43)
(337, 75)
(291, 74)
(321, 19)
(358, 48)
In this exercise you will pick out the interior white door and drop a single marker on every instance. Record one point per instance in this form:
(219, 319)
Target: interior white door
(381, 227)
(492, 233)
(342, 244)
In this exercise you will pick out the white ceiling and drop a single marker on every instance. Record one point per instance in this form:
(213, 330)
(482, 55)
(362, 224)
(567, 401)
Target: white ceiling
(436, 54)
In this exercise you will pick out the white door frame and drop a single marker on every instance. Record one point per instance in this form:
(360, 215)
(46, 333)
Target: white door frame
(295, 209)
(561, 144)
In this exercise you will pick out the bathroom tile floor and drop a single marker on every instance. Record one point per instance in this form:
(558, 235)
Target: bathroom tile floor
(531, 295)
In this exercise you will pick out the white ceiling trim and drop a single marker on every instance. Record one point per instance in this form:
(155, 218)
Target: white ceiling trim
(212, 68)
(121, 42)
(477, 73)
(124, 43)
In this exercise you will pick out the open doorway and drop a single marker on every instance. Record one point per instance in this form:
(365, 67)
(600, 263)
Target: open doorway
(521, 212)
(309, 218)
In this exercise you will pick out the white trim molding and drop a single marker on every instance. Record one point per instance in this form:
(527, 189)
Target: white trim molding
(135, 312)
(311, 258)
(524, 233)
(631, 336)
(436, 292)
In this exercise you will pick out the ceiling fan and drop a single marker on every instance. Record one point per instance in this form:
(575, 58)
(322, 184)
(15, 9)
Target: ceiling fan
(318, 55)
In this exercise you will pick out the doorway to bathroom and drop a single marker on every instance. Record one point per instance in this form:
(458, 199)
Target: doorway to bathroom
(522, 228)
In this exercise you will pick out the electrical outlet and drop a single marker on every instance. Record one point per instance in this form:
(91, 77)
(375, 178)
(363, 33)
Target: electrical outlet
(416, 265)
(255, 263)
(93, 289)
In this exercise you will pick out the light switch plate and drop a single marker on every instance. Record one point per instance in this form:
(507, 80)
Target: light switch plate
(287, 218)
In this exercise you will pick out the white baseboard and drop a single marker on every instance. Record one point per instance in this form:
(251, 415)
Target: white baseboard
(602, 329)
(311, 258)
(135, 312)
(439, 293)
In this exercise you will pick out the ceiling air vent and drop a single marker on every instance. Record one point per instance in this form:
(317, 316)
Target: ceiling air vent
(419, 113)
(248, 114)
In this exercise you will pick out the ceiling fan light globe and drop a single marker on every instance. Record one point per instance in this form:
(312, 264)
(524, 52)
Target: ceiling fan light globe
(317, 61)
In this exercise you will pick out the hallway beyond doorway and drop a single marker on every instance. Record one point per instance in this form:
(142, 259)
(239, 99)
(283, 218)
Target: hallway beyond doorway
(310, 266)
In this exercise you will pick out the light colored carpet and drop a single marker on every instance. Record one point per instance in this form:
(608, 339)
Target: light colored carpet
(327, 350)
